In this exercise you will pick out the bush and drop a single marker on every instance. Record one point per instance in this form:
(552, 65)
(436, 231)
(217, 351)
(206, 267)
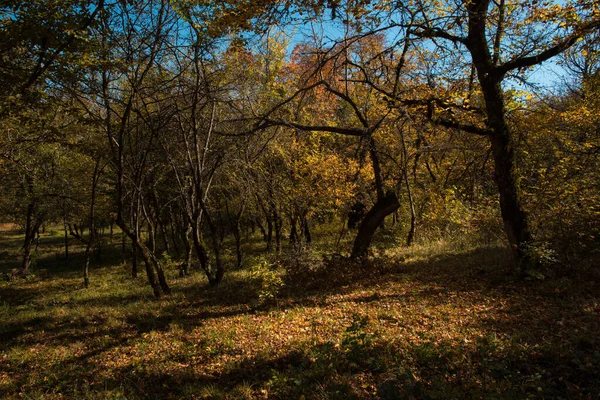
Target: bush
(268, 282)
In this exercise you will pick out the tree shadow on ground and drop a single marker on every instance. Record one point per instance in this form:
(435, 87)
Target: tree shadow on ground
(236, 295)
(547, 338)
(423, 370)
(550, 333)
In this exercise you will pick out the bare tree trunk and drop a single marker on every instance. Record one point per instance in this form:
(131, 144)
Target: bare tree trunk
(261, 228)
(269, 219)
(371, 222)
(92, 225)
(306, 229)
(377, 172)
(237, 234)
(160, 226)
(66, 232)
(134, 260)
(29, 237)
(189, 242)
(173, 232)
(269, 234)
(505, 172)
(294, 238)
(219, 271)
(238, 244)
(162, 279)
(123, 244)
(413, 215)
(32, 226)
(277, 226)
(151, 276)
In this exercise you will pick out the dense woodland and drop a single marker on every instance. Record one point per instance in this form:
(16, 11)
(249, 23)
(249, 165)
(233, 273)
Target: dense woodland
(279, 151)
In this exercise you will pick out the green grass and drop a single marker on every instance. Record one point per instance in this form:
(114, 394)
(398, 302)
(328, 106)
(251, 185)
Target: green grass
(442, 320)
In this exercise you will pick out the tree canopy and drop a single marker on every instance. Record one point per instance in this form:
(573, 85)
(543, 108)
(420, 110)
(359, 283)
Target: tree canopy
(183, 122)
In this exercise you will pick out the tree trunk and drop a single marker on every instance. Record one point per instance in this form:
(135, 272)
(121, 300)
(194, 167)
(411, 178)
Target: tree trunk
(238, 244)
(237, 233)
(261, 228)
(86, 270)
(29, 237)
(123, 247)
(162, 280)
(151, 276)
(174, 235)
(160, 226)
(202, 254)
(92, 222)
(134, 260)
(32, 226)
(269, 234)
(278, 225)
(514, 217)
(149, 253)
(66, 237)
(505, 173)
(306, 229)
(413, 215)
(269, 219)
(218, 271)
(188, 243)
(377, 172)
(371, 222)
(294, 238)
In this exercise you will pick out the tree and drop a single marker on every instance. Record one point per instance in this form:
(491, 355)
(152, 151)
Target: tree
(42, 38)
(492, 36)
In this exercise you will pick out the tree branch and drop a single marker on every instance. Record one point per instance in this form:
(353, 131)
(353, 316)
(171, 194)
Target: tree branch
(553, 51)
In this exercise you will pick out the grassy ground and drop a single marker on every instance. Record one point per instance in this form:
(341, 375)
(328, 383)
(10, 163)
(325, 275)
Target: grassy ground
(445, 320)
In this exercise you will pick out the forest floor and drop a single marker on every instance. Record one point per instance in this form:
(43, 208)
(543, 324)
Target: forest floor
(444, 320)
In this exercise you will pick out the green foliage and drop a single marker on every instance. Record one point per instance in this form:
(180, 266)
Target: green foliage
(267, 280)
(167, 260)
(358, 345)
(326, 362)
(541, 254)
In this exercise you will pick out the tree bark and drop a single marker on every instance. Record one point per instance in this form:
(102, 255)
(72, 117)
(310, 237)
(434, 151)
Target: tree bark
(377, 172)
(92, 227)
(294, 237)
(202, 254)
(66, 233)
(219, 271)
(29, 237)
(32, 226)
(371, 222)
(188, 242)
(123, 247)
(306, 229)
(134, 260)
(505, 173)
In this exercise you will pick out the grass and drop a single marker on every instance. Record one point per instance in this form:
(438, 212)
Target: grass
(442, 320)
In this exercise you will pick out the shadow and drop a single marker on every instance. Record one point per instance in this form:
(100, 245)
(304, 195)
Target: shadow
(49, 258)
(431, 368)
(537, 332)
(26, 292)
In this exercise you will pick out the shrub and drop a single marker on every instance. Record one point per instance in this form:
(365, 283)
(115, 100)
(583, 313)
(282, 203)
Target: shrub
(267, 280)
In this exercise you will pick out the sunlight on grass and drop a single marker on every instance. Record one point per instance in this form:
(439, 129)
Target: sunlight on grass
(435, 319)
